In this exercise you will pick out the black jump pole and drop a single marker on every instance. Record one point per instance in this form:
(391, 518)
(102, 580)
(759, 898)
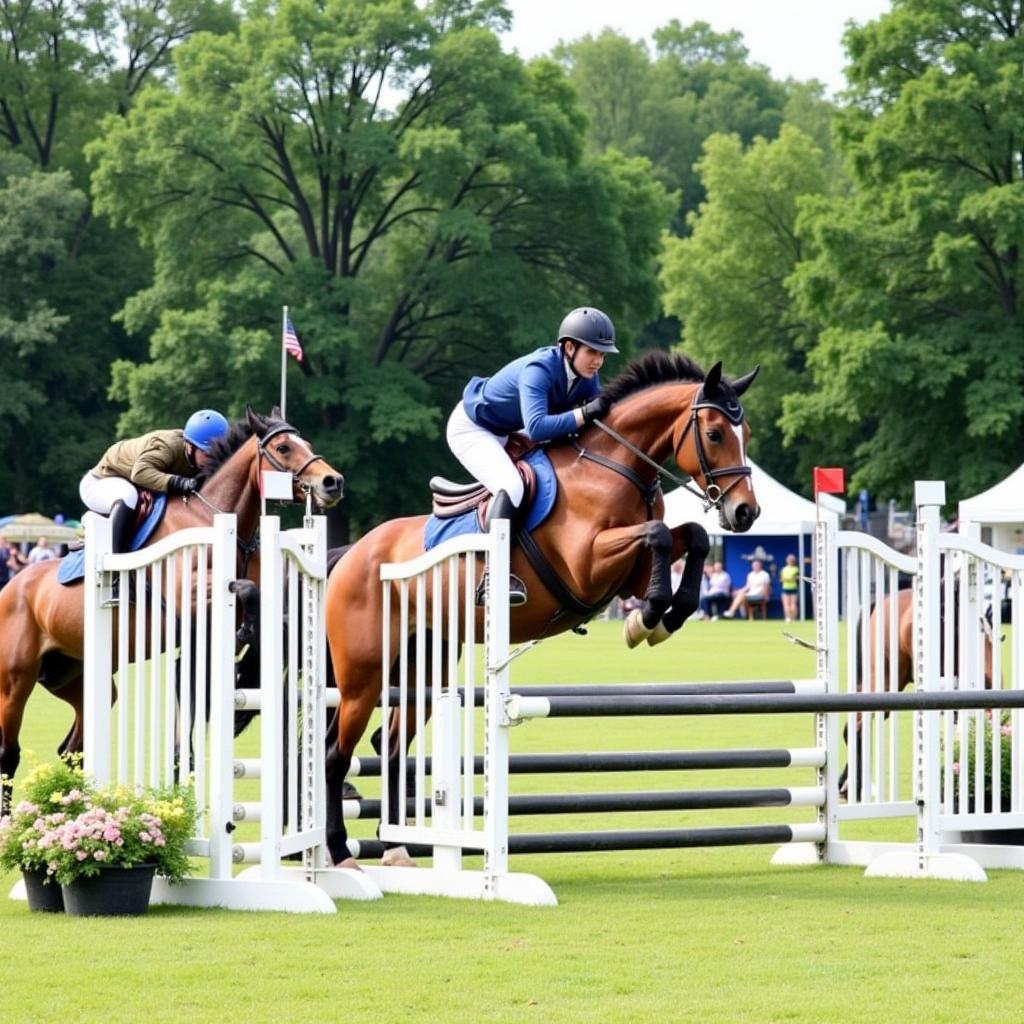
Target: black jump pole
(603, 803)
(622, 690)
(617, 761)
(797, 703)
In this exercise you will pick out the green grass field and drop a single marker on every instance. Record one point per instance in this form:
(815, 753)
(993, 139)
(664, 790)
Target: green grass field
(691, 935)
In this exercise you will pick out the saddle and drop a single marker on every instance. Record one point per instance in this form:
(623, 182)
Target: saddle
(143, 507)
(451, 500)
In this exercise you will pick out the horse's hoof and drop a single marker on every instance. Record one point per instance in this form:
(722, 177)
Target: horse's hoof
(633, 629)
(397, 857)
(351, 863)
(659, 635)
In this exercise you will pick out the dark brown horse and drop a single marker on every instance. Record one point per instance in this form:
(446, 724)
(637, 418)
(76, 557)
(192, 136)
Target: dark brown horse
(870, 680)
(41, 620)
(604, 537)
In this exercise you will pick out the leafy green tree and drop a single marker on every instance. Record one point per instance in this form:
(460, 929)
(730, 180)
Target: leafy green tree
(914, 284)
(726, 281)
(63, 66)
(698, 82)
(414, 245)
(37, 217)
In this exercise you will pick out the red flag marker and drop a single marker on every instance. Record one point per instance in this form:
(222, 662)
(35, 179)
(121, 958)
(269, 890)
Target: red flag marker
(829, 480)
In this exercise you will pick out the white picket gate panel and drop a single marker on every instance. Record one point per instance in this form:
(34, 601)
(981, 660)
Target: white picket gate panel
(436, 592)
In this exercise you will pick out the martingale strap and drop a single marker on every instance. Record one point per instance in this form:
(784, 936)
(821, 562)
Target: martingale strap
(649, 491)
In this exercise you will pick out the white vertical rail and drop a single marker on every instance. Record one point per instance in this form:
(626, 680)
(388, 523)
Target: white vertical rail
(271, 711)
(97, 668)
(496, 696)
(222, 686)
(929, 496)
(827, 668)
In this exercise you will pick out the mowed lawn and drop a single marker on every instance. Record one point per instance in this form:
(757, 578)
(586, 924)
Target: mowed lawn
(689, 935)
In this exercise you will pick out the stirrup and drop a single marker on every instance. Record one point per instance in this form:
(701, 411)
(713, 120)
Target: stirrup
(517, 595)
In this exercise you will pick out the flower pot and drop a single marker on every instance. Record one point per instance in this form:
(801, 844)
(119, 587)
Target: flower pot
(114, 892)
(43, 895)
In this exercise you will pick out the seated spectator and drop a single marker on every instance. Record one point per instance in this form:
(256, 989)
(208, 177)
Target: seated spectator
(42, 552)
(718, 591)
(756, 593)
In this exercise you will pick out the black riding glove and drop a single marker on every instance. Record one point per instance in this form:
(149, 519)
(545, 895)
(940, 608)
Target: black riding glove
(182, 484)
(595, 409)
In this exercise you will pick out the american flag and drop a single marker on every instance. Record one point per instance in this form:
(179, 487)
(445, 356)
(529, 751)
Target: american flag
(291, 340)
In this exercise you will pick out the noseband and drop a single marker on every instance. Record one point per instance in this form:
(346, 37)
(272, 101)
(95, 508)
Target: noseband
(712, 495)
(265, 453)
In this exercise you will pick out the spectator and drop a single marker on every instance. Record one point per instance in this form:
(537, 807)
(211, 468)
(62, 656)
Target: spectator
(756, 593)
(6, 557)
(789, 581)
(42, 552)
(719, 589)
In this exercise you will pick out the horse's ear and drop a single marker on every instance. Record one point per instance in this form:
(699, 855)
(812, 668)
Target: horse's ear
(713, 378)
(741, 385)
(275, 413)
(257, 424)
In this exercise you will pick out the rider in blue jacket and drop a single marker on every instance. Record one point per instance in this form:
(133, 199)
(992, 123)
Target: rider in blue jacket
(547, 394)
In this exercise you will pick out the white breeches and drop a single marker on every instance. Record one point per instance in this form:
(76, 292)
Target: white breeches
(483, 454)
(99, 493)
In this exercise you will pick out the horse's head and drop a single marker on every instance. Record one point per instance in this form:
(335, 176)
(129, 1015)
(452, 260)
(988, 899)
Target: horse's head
(281, 448)
(716, 455)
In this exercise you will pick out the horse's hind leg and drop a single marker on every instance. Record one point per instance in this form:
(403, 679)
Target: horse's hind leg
(690, 539)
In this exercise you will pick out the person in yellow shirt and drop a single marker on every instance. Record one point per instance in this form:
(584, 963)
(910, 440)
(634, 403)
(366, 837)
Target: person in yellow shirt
(789, 580)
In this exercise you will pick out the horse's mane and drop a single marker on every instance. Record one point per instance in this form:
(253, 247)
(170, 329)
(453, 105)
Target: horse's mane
(652, 368)
(238, 433)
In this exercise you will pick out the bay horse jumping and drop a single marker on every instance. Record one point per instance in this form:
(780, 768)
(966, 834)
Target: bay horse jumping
(42, 621)
(868, 678)
(604, 537)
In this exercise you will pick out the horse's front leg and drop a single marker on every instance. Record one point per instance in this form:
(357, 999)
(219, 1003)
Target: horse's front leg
(653, 539)
(690, 539)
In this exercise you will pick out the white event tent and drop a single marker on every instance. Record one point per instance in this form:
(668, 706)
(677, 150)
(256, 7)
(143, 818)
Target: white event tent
(1001, 509)
(784, 514)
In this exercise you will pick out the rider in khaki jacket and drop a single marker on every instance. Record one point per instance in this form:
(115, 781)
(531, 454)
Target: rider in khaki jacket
(162, 461)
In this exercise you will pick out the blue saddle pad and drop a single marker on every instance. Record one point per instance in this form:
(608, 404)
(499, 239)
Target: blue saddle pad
(439, 530)
(72, 566)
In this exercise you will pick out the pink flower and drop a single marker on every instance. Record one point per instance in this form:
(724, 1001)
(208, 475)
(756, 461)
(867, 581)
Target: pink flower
(145, 837)
(100, 855)
(81, 855)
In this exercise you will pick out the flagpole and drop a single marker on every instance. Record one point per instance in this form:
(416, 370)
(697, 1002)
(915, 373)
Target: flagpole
(284, 359)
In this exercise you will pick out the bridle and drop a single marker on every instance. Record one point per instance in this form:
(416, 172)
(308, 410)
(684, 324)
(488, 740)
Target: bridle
(711, 494)
(265, 453)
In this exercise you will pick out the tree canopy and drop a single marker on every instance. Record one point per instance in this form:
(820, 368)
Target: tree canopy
(914, 283)
(420, 199)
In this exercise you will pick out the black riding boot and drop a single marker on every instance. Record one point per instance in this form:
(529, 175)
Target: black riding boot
(502, 508)
(122, 523)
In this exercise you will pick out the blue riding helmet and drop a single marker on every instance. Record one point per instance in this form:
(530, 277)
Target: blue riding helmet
(590, 327)
(204, 427)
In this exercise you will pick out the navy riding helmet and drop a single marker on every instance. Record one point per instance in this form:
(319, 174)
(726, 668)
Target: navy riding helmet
(591, 327)
(204, 427)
